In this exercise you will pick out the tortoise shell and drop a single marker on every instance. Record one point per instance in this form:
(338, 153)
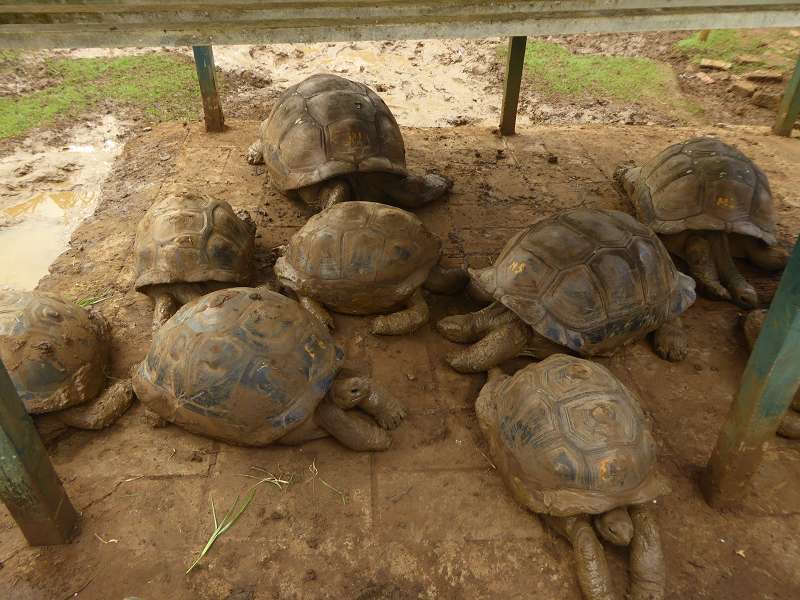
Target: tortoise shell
(359, 257)
(588, 279)
(243, 365)
(56, 352)
(570, 438)
(705, 184)
(192, 238)
(327, 126)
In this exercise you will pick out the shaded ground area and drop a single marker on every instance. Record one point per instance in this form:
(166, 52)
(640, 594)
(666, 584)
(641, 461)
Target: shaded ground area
(429, 518)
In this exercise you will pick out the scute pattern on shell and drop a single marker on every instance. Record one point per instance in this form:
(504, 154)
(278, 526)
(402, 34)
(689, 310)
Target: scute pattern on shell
(574, 438)
(327, 126)
(359, 257)
(705, 184)
(56, 353)
(588, 279)
(192, 238)
(244, 365)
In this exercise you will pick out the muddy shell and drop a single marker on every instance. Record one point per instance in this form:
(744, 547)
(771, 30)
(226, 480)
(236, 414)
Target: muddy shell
(327, 126)
(243, 365)
(588, 279)
(191, 238)
(705, 184)
(570, 438)
(359, 257)
(56, 352)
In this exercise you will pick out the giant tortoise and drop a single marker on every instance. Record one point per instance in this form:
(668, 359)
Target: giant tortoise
(589, 280)
(251, 367)
(365, 258)
(709, 203)
(57, 356)
(329, 139)
(572, 444)
(189, 244)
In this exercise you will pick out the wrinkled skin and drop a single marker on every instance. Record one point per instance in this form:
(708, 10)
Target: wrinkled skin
(496, 335)
(709, 254)
(790, 425)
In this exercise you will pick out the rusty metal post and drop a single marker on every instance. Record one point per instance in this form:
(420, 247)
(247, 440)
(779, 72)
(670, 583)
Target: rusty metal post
(212, 109)
(516, 61)
(29, 487)
(790, 105)
(768, 385)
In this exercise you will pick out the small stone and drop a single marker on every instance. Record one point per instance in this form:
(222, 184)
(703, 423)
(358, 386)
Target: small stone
(715, 65)
(310, 575)
(764, 75)
(766, 99)
(745, 89)
(411, 376)
(748, 59)
(145, 129)
(552, 159)
(704, 78)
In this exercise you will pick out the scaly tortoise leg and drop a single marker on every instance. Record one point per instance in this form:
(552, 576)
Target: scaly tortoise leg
(334, 192)
(351, 429)
(647, 575)
(703, 268)
(590, 559)
(403, 321)
(499, 345)
(317, 310)
(471, 327)
(349, 392)
(742, 293)
(165, 307)
(669, 340)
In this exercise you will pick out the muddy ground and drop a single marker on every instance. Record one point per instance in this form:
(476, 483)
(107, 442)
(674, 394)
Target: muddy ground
(429, 518)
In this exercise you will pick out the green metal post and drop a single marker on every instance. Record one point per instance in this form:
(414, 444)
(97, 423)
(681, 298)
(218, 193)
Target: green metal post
(768, 385)
(212, 109)
(516, 61)
(29, 486)
(790, 105)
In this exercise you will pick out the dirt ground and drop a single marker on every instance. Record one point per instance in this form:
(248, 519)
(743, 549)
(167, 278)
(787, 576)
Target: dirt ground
(429, 518)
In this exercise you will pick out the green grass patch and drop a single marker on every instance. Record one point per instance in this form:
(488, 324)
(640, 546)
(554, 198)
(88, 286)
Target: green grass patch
(163, 86)
(559, 71)
(730, 44)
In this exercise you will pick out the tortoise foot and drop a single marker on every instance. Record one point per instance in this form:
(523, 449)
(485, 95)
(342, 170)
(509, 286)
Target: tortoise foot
(669, 342)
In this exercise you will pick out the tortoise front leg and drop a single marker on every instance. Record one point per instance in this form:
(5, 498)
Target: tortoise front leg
(351, 429)
(317, 310)
(413, 191)
(403, 321)
(165, 307)
(470, 327)
(590, 559)
(647, 570)
(255, 153)
(362, 392)
(742, 292)
(703, 267)
(669, 341)
(499, 345)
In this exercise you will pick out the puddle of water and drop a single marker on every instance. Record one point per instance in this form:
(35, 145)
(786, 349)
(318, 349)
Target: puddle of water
(45, 194)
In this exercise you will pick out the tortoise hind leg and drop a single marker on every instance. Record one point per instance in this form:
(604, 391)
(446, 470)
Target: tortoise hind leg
(647, 571)
(351, 429)
(414, 191)
(499, 345)
(590, 559)
(669, 341)
(404, 321)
